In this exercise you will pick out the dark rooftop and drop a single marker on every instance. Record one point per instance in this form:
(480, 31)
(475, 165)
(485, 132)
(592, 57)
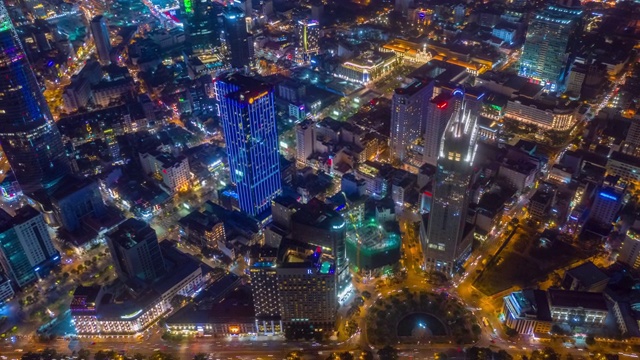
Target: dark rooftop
(131, 232)
(236, 307)
(587, 274)
(247, 87)
(577, 299)
(414, 87)
(68, 185)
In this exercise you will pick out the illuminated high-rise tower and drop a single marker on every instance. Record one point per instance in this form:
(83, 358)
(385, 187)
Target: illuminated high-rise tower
(408, 115)
(100, 34)
(201, 23)
(248, 116)
(307, 39)
(240, 43)
(29, 137)
(445, 243)
(546, 48)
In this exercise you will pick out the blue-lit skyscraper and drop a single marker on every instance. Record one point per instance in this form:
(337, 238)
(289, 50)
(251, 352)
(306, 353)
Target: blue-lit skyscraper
(29, 137)
(446, 243)
(247, 112)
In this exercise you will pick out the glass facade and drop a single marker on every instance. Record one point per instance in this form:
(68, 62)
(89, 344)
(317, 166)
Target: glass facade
(29, 137)
(201, 23)
(239, 42)
(545, 52)
(15, 258)
(100, 34)
(26, 249)
(247, 112)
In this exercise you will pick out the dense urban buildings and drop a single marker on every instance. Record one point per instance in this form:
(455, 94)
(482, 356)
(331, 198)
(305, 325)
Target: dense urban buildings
(198, 176)
(151, 275)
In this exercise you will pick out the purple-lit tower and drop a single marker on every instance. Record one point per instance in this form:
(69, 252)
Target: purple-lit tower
(28, 135)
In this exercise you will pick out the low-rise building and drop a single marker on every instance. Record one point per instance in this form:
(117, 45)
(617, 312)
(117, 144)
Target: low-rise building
(536, 311)
(578, 307)
(527, 312)
(548, 116)
(173, 172)
(585, 277)
(231, 314)
(106, 92)
(131, 309)
(627, 167)
(408, 51)
(541, 202)
(203, 228)
(630, 250)
(374, 175)
(520, 174)
(367, 67)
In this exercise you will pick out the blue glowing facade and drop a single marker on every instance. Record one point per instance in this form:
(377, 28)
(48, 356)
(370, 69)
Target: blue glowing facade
(26, 250)
(29, 137)
(247, 112)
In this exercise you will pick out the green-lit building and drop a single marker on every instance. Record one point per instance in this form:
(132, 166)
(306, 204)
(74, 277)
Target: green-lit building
(202, 23)
(370, 247)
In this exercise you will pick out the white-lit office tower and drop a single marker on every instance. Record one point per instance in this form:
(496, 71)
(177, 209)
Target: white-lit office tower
(409, 110)
(439, 110)
(446, 243)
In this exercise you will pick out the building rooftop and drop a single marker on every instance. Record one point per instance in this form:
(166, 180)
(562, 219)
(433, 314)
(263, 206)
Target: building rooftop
(131, 232)
(625, 158)
(248, 88)
(24, 214)
(236, 307)
(318, 214)
(178, 264)
(588, 274)
(370, 59)
(69, 185)
(577, 299)
(372, 237)
(414, 87)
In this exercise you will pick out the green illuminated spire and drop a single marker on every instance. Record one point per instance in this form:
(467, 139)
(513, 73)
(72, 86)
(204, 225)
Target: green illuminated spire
(5, 21)
(188, 6)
